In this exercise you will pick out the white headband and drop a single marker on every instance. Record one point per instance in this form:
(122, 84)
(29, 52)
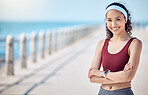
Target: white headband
(117, 8)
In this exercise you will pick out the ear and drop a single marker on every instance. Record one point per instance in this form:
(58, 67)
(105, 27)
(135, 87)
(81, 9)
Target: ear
(125, 20)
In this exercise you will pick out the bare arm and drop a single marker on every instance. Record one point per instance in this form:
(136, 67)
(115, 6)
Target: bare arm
(101, 80)
(97, 57)
(97, 76)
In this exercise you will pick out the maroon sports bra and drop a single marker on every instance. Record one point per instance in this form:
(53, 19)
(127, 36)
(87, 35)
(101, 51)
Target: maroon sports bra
(115, 62)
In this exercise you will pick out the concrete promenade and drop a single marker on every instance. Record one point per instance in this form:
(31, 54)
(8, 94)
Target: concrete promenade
(65, 72)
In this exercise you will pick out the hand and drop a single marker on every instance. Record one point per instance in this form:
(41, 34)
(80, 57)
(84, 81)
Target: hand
(127, 67)
(91, 72)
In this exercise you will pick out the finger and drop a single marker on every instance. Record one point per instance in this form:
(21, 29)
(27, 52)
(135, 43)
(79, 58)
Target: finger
(131, 67)
(127, 64)
(128, 68)
(125, 70)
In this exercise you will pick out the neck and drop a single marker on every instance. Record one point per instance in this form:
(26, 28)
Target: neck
(120, 37)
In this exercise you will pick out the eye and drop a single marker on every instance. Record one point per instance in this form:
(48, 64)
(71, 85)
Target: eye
(109, 20)
(118, 19)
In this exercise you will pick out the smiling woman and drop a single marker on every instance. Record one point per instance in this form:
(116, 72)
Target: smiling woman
(119, 54)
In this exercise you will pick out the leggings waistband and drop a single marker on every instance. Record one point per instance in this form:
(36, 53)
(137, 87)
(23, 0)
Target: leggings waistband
(124, 91)
(128, 88)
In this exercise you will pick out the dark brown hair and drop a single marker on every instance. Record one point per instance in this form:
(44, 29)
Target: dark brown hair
(128, 25)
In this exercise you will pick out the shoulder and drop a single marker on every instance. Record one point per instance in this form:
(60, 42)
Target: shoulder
(100, 44)
(136, 44)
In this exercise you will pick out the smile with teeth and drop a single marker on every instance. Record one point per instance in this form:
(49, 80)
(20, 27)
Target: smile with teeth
(114, 29)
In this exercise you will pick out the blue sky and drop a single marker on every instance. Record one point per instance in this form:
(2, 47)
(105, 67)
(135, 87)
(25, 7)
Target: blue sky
(66, 10)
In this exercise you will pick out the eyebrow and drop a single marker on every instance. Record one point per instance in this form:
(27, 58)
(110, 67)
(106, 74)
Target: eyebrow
(116, 17)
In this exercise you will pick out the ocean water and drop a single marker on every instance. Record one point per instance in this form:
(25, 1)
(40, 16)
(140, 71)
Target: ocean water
(15, 29)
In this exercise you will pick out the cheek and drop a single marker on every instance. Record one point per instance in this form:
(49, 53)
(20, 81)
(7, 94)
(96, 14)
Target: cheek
(121, 23)
(108, 24)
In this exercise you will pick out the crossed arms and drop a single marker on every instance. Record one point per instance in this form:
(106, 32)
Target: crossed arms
(96, 76)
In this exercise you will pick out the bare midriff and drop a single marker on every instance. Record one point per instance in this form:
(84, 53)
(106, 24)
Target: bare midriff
(116, 86)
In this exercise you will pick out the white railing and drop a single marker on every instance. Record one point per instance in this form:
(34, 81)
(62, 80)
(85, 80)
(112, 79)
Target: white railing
(54, 40)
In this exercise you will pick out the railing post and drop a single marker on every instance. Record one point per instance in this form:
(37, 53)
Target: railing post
(52, 41)
(66, 37)
(49, 41)
(55, 35)
(33, 47)
(9, 55)
(42, 43)
(23, 51)
(63, 38)
(59, 39)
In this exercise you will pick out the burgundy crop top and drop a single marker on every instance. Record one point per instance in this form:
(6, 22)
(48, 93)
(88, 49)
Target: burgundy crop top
(115, 62)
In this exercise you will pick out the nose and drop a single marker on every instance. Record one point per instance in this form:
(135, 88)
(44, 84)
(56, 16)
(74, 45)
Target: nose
(114, 23)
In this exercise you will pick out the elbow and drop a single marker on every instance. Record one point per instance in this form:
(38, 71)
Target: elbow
(91, 80)
(127, 78)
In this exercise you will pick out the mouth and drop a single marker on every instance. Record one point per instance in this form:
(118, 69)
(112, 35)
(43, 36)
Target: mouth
(115, 29)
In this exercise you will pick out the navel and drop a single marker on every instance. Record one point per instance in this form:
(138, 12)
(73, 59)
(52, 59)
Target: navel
(110, 87)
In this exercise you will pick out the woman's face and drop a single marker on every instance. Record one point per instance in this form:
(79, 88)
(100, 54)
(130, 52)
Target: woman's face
(115, 21)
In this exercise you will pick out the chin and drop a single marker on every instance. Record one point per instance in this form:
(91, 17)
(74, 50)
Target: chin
(116, 32)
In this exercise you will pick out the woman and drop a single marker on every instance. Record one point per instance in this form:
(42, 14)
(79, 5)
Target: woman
(119, 54)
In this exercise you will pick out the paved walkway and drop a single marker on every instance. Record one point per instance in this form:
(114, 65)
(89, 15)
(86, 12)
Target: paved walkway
(65, 72)
(140, 81)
